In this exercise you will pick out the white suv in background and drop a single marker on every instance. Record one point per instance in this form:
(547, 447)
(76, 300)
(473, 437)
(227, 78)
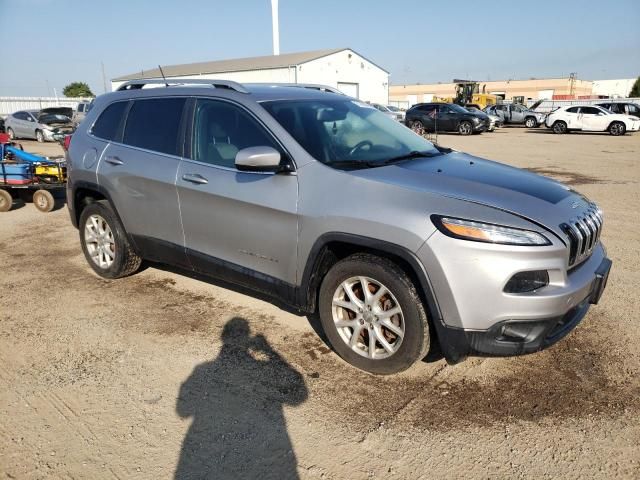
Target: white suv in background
(590, 118)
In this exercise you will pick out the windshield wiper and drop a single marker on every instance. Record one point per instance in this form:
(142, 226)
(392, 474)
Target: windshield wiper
(351, 163)
(408, 156)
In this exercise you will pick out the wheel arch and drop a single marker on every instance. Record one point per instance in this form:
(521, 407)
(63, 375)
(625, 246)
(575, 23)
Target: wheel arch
(85, 193)
(333, 247)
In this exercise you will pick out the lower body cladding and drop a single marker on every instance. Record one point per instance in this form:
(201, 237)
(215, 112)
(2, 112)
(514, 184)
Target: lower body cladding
(482, 315)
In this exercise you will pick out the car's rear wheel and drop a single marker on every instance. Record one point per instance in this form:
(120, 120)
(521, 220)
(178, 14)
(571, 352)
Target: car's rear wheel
(372, 314)
(530, 122)
(39, 136)
(105, 243)
(617, 129)
(559, 127)
(6, 201)
(43, 200)
(11, 133)
(465, 128)
(418, 127)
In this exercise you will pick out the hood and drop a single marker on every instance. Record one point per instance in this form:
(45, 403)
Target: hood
(465, 177)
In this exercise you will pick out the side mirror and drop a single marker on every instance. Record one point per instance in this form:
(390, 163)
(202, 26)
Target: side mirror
(258, 159)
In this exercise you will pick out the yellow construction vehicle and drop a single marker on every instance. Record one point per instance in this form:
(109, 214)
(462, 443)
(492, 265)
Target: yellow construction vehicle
(468, 93)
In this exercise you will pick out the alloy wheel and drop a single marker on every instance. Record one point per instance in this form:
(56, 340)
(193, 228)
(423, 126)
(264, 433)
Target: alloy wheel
(368, 317)
(99, 240)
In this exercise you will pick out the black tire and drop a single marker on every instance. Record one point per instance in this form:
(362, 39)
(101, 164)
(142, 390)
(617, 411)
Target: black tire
(465, 128)
(43, 200)
(39, 136)
(11, 133)
(530, 122)
(415, 341)
(125, 261)
(617, 128)
(6, 201)
(559, 127)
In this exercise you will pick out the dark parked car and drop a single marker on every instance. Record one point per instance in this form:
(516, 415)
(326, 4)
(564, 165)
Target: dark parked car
(445, 117)
(624, 108)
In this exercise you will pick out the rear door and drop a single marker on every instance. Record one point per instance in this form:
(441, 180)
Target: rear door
(573, 118)
(233, 219)
(139, 171)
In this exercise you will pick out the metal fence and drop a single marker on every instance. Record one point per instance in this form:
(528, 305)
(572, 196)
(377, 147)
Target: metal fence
(9, 105)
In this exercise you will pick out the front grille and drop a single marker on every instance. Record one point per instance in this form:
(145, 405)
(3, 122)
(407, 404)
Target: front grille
(583, 232)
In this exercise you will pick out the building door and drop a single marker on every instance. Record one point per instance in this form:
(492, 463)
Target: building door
(350, 89)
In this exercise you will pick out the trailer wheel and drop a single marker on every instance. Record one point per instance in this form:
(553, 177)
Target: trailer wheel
(6, 201)
(43, 200)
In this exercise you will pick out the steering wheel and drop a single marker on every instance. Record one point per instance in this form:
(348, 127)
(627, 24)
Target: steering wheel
(360, 145)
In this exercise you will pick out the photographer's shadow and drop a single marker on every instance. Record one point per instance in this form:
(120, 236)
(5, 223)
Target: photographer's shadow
(236, 401)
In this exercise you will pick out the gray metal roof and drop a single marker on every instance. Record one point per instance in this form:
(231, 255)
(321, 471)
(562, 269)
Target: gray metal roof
(233, 65)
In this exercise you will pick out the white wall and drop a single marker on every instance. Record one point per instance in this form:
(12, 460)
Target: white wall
(373, 82)
(272, 75)
(613, 88)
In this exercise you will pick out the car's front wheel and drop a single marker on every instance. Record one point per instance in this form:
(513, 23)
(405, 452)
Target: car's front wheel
(39, 136)
(465, 128)
(617, 129)
(559, 127)
(372, 314)
(105, 243)
(530, 122)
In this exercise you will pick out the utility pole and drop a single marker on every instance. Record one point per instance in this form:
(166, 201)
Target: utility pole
(275, 27)
(104, 78)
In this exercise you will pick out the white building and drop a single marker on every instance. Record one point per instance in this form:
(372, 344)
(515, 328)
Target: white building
(613, 88)
(342, 68)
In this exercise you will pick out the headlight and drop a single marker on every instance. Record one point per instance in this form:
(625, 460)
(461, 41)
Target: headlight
(487, 232)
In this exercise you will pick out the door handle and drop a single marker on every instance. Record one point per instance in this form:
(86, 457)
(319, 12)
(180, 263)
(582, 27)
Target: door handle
(114, 161)
(195, 178)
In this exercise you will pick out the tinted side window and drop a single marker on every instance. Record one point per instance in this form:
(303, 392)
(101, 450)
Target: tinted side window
(222, 129)
(154, 124)
(573, 109)
(427, 108)
(590, 111)
(633, 109)
(108, 122)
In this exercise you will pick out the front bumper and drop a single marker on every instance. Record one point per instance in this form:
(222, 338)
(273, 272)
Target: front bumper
(479, 318)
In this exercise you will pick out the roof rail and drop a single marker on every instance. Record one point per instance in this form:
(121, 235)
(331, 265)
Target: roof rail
(138, 84)
(311, 86)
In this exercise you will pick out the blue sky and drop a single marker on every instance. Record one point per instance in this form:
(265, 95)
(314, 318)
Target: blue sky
(49, 43)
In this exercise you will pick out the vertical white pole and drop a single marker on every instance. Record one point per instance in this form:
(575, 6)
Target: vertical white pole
(276, 28)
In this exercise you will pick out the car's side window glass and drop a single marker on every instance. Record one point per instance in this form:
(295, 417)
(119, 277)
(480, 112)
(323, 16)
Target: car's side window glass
(106, 127)
(590, 111)
(154, 124)
(573, 109)
(633, 108)
(221, 130)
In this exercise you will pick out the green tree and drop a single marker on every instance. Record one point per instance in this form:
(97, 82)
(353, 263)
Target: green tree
(77, 89)
(635, 90)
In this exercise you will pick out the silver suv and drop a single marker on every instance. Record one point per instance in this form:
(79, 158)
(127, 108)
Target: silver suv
(328, 205)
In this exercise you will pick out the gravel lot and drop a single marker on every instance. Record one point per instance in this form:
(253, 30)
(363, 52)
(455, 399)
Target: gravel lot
(159, 374)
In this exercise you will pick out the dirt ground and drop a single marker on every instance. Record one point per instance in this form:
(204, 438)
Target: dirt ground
(161, 375)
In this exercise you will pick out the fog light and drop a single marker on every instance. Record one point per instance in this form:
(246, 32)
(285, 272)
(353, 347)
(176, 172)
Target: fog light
(527, 281)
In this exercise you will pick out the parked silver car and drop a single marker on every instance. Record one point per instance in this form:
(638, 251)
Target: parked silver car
(48, 124)
(327, 205)
(516, 114)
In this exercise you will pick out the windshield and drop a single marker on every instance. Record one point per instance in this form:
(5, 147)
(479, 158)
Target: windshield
(392, 108)
(336, 131)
